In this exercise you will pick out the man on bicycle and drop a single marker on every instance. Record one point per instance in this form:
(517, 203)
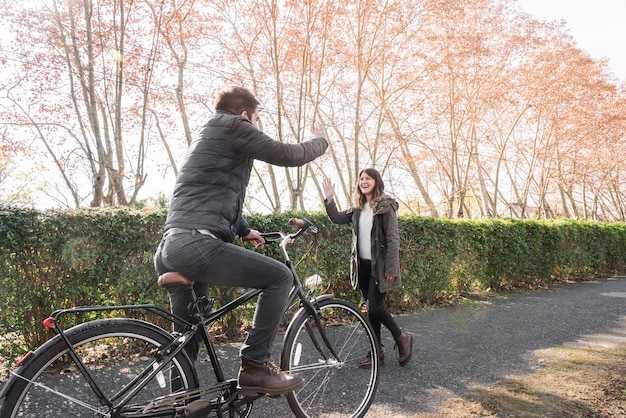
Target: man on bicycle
(205, 214)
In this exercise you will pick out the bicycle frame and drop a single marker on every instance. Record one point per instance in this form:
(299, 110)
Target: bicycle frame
(206, 318)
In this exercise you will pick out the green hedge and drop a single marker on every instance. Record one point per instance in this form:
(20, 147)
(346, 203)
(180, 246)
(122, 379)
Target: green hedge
(58, 259)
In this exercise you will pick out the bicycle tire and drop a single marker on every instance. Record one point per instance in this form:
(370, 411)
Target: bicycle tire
(331, 388)
(114, 350)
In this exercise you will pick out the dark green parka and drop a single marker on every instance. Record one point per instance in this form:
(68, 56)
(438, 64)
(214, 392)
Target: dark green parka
(385, 241)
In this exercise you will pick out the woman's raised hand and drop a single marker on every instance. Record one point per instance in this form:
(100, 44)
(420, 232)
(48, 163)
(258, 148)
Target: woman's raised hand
(329, 189)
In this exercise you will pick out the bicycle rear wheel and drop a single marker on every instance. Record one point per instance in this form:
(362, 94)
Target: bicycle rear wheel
(334, 387)
(115, 351)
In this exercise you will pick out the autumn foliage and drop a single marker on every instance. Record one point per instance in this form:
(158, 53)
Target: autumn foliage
(469, 109)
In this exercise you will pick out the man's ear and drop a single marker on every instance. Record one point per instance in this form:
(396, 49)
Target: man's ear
(245, 114)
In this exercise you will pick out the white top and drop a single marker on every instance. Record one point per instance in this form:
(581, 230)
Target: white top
(366, 221)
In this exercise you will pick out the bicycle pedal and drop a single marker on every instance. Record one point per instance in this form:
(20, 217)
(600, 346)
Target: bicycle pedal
(249, 392)
(198, 409)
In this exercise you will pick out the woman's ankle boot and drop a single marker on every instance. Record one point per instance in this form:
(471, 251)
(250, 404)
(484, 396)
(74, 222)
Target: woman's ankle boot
(367, 361)
(405, 346)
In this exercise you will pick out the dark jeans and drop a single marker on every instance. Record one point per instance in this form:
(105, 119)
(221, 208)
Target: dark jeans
(209, 260)
(375, 302)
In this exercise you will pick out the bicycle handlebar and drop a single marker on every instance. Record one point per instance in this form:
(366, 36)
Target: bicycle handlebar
(303, 224)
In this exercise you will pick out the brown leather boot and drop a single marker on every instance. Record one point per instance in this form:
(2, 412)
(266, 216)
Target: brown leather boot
(265, 378)
(405, 346)
(367, 360)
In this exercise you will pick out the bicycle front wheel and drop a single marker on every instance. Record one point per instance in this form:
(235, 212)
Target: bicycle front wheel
(334, 386)
(115, 353)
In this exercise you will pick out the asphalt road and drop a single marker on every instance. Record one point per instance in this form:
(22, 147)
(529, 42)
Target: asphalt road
(480, 343)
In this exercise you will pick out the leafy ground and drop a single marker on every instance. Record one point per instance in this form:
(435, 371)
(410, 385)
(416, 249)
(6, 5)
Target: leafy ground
(571, 382)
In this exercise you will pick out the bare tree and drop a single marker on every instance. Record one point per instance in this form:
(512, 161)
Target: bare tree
(468, 109)
(93, 72)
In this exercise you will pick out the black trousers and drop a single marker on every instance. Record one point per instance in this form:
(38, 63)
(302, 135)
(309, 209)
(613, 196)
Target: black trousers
(375, 302)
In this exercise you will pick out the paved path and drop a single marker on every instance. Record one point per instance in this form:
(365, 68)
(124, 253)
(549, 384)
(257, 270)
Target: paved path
(479, 343)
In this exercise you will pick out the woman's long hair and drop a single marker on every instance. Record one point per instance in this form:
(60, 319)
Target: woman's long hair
(379, 188)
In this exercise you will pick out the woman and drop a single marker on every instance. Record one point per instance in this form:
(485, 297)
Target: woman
(375, 260)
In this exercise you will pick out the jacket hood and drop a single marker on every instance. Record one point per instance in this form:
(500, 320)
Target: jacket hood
(385, 204)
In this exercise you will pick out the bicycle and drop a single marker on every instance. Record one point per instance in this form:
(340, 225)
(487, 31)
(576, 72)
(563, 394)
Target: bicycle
(125, 367)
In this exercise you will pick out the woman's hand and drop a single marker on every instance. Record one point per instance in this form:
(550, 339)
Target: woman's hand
(329, 189)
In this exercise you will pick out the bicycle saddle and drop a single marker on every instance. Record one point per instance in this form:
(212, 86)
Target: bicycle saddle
(173, 278)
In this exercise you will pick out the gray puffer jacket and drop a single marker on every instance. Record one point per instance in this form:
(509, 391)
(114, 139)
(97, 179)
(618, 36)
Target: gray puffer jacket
(385, 241)
(211, 185)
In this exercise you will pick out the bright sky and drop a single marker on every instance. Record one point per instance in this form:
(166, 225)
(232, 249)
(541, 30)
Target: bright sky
(599, 26)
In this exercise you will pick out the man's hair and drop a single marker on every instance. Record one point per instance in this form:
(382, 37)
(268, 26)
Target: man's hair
(379, 188)
(235, 100)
